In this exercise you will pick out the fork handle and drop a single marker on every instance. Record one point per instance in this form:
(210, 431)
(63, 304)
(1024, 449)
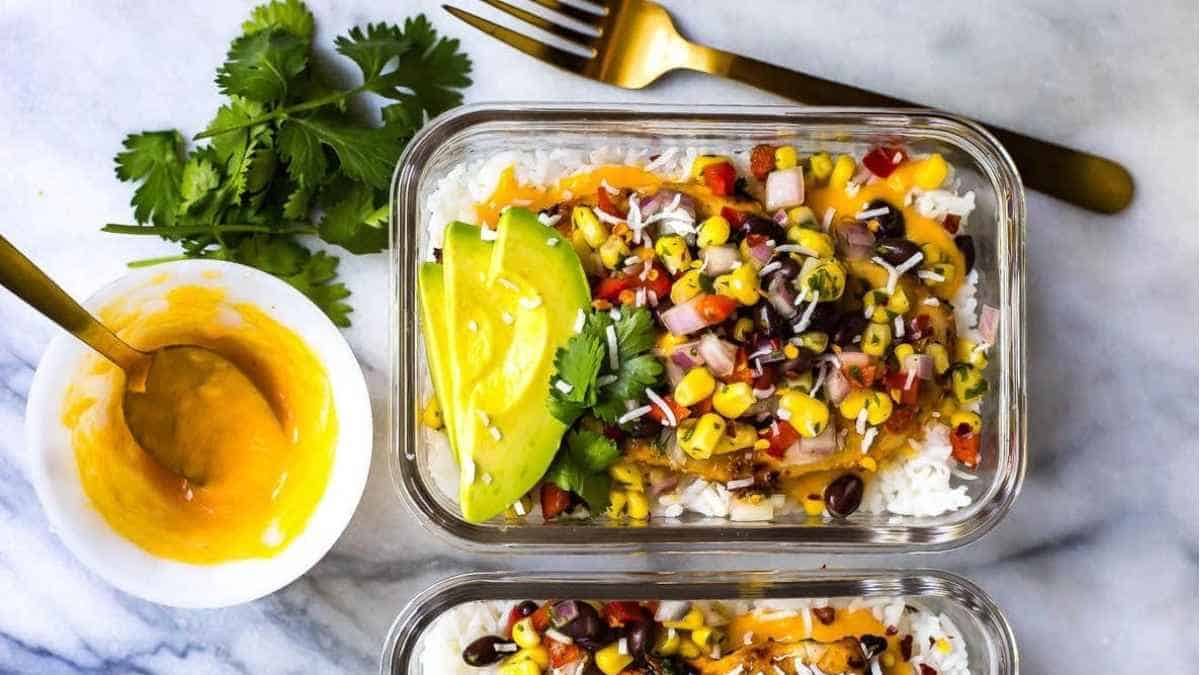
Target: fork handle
(1080, 178)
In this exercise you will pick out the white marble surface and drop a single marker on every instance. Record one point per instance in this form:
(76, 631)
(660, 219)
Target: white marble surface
(1097, 564)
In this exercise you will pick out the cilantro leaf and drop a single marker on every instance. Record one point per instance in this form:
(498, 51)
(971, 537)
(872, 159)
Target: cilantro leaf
(578, 364)
(634, 376)
(428, 75)
(297, 204)
(260, 65)
(581, 465)
(635, 331)
(366, 154)
(373, 50)
(290, 15)
(305, 157)
(199, 179)
(153, 157)
(354, 223)
(311, 274)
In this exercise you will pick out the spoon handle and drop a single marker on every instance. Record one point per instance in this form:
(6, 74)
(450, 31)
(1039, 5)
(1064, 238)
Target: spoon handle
(19, 275)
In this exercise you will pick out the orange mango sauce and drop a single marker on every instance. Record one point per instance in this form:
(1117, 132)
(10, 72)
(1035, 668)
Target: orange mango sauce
(267, 469)
(509, 192)
(845, 624)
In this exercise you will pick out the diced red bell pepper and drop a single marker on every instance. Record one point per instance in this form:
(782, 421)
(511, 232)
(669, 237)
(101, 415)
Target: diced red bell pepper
(734, 216)
(720, 178)
(620, 288)
(562, 654)
(951, 223)
(883, 160)
(619, 613)
(964, 445)
(860, 376)
(703, 407)
(514, 615)
(541, 618)
(901, 419)
(681, 413)
(610, 288)
(555, 500)
(762, 161)
(898, 381)
(928, 670)
(741, 369)
(781, 436)
(658, 280)
(715, 308)
(605, 203)
(768, 378)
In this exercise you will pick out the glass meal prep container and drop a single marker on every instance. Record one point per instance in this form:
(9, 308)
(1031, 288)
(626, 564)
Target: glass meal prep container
(997, 224)
(991, 646)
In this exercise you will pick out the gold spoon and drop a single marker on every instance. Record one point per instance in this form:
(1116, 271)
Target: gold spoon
(161, 386)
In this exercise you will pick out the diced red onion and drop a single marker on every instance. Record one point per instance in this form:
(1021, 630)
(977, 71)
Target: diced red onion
(854, 239)
(763, 406)
(684, 319)
(854, 359)
(663, 198)
(809, 450)
(780, 217)
(719, 259)
(671, 610)
(720, 356)
(785, 188)
(836, 386)
(921, 364)
(762, 253)
(668, 481)
(688, 355)
(675, 372)
(781, 297)
(989, 320)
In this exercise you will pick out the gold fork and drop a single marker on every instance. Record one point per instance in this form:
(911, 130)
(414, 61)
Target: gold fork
(631, 43)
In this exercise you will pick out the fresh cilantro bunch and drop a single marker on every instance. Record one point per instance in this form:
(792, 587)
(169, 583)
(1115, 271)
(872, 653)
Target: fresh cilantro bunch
(583, 364)
(581, 467)
(286, 157)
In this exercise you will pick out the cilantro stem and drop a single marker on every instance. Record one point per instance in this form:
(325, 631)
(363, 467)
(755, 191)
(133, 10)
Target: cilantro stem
(147, 262)
(336, 97)
(193, 230)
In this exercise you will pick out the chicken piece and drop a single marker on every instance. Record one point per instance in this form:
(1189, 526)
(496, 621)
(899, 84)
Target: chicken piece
(842, 656)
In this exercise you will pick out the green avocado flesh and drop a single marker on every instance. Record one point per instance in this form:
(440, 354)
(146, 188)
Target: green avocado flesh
(503, 309)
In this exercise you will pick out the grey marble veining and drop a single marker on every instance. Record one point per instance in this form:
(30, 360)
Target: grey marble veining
(1097, 564)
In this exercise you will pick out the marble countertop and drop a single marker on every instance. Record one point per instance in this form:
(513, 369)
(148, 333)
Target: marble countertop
(1097, 563)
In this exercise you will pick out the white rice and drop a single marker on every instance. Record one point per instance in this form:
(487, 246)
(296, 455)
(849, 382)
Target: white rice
(916, 485)
(440, 648)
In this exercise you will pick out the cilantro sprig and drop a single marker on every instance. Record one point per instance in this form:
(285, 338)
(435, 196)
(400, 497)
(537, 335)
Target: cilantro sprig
(583, 362)
(285, 156)
(581, 466)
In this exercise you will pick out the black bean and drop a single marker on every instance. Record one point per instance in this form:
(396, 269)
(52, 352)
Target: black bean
(639, 636)
(966, 244)
(526, 608)
(824, 318)
(873, 645)
(802, 362)
(769, 322)
(483, 652)
(762, 226)
(891, 224)
(788, 267)
(844, 495)
(642, 427)
(896, 251)
(849, 326)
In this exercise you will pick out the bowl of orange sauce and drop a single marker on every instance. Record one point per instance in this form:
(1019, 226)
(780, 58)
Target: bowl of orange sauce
(281, 484)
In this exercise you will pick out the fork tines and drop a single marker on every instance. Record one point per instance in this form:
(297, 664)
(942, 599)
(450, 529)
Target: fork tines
(565, 22)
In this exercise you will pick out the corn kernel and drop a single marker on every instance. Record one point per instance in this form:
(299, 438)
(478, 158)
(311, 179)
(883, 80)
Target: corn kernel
(686, 287)
(743, 436)
(704, 161)
(818, 242)
(887, 660)
(524, 634)
(813, 340)
(616, 504)
(968, 383)
(826, 278)
(696, 386)
(594, 232)
(628, 474)
(902, 352)
(802, 216)
(791, 351)
(431, 416)
(931, 172)
(667, 643)
(742, 329)
(733, 400)
(701, 636)
(821, 165)
(967, 351)
(668, 341)
(699, 438)
(785, 157)
(944, 270)
(947, 407)
(808, 415)
(714, 231)
(613, 252)
(673, 250)
(537, 655)
(898, 303)
(868, 463)
(876, 338)
(519, 668)
(843, 171)
(803, 381)
(740, 284)
(762, 444)
(972, 420)
(876, 403)
(691, 621)
(931, 254)
(943, 646)
(639, 506)
(941, 358)
(611, 661)
(688, 649)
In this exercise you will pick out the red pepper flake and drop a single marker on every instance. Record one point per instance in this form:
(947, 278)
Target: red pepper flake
(825, 615)
(762, 161)
(883, 160)
(951, 223)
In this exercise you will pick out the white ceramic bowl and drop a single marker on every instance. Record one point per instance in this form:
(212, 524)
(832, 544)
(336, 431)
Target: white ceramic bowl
(122, 563)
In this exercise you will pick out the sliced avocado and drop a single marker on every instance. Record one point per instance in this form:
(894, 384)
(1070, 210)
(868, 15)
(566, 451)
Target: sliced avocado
(432, 287)
(507, 317)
